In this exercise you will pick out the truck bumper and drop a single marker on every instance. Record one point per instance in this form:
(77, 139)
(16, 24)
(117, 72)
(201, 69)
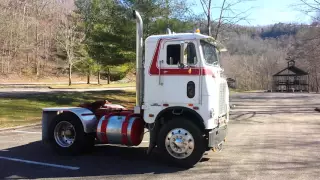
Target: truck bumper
(217, 136)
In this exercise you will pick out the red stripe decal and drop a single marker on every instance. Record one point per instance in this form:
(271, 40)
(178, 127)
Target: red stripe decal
(104, 125)
(137, 131)
(124, 128)
(104, 137)
(206, 71)
(154, 70)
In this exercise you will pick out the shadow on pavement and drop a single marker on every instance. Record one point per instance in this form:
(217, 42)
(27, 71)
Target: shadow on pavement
(103, 161)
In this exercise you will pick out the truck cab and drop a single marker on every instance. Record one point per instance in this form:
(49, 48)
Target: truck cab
(183, 71)
(183, 82)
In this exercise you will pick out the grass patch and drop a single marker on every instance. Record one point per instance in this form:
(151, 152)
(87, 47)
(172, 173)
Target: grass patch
(233, 91)
(92, 86)
(26, 109)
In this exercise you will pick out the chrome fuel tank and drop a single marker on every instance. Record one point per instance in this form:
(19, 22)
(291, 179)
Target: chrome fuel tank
(121, 128)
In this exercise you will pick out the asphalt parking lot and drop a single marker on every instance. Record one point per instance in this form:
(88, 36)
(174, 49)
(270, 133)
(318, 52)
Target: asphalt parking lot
(271, 136)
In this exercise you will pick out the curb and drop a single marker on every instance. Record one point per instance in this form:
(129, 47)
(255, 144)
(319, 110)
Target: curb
(19, 127)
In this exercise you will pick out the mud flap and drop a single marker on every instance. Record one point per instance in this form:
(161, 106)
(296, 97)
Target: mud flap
(153, 138)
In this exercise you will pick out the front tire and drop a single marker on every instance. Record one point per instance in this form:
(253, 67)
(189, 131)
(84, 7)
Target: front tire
(67, 137)
(182, 141)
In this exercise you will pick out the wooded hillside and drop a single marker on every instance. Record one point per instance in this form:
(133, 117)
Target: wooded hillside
(48, 37)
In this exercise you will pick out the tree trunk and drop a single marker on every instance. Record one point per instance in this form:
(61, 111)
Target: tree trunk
(37, 51)
(2, 65)
(70, 73)
(88, 77)
(108, 75)
(209, 18)
(209, 24)
(8, 67)
(99, 77)
(317, 83)
(220, 20)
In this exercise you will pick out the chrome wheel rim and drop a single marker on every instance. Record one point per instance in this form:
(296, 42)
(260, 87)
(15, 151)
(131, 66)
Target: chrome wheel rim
(64, 134)
(179, 143)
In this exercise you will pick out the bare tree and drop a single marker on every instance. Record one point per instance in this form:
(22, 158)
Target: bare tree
(206, 6)
(307, 46)
(227, 14)
(307, 52)
(27, 31)
(70, 39)
(308, 7)
(252, 62)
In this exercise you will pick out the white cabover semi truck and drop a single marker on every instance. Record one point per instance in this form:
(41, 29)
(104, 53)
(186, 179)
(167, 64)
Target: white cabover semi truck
(181, 98)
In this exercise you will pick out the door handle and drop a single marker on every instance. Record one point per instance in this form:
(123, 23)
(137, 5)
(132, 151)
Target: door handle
(160, 62)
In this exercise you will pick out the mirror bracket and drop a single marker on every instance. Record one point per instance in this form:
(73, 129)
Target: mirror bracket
(181, 65)
(181, 62)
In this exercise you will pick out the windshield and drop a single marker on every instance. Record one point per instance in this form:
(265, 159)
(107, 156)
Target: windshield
(209, 53)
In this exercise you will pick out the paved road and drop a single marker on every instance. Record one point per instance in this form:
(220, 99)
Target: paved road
(271, 136)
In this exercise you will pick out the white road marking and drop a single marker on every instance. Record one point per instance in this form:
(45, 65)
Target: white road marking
(40, 163)
(100, 144)
(27, 132)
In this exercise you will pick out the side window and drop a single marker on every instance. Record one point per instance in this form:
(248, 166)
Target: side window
(190, 54)
(173, 54)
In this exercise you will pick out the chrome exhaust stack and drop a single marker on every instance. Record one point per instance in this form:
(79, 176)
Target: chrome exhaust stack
(139, 63)
(169, 31)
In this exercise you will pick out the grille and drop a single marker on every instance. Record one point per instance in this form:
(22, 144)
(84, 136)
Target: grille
(222, 98)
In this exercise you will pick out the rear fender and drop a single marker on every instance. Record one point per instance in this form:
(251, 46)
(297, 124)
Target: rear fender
(87, 118)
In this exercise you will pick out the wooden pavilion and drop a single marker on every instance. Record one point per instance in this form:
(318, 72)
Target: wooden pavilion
(291, 79)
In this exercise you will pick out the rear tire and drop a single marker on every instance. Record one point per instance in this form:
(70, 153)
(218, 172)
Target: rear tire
(67, 137)
(182, 142)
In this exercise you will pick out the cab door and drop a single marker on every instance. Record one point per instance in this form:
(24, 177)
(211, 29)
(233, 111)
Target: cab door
(180, 82)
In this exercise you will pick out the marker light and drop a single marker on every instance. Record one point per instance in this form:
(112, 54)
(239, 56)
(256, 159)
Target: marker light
(198, 30)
